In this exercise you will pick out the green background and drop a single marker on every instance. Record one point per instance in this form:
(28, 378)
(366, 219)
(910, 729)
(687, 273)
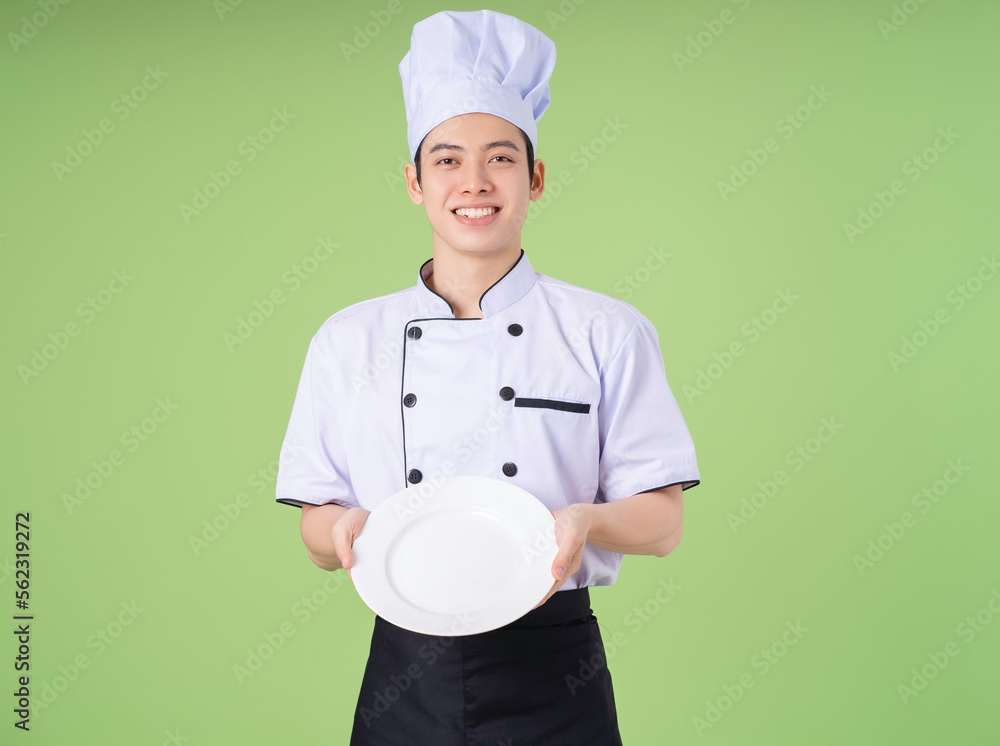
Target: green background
(333, 171)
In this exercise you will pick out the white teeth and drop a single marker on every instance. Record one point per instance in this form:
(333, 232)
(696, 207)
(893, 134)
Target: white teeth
(475, 213)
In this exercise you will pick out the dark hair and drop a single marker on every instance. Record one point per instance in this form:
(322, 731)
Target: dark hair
(531, 158)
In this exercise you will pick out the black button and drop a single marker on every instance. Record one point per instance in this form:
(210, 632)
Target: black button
(414, 332)
(506, 393)
(514, 330)
(509, 469)
(414, 476)
(410, 399)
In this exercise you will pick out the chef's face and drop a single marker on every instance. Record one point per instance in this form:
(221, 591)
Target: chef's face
(475, 160)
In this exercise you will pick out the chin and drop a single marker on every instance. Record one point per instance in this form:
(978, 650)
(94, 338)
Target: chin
(478, 249)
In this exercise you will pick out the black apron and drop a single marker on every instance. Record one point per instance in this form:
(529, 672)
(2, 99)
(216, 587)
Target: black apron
(542, 680)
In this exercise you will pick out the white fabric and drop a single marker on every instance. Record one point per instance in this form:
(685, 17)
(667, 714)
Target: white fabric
(477, 61)
(351, 439)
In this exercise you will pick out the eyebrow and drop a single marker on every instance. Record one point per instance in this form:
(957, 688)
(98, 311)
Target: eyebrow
(487, 146)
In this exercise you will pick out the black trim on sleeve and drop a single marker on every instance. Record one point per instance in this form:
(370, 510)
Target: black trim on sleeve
(562, 406)
(689, 482)
(299, 503)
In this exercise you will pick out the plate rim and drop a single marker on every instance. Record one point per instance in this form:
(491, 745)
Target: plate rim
(376, 592)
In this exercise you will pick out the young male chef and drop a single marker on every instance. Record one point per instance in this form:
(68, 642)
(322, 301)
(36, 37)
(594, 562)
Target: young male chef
(488, 368)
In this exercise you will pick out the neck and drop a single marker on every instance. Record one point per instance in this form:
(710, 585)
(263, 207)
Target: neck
(462, 280)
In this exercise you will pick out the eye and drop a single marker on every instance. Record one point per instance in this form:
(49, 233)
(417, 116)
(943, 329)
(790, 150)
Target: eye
(505, 158)
(445, 159)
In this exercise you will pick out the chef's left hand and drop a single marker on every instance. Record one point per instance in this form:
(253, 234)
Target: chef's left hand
(571, 529)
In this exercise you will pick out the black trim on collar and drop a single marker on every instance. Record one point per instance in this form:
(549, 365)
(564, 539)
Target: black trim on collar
(498, 281)
(420, 274)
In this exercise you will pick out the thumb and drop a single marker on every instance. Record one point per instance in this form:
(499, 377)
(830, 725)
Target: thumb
(356, 521)
(560, 563)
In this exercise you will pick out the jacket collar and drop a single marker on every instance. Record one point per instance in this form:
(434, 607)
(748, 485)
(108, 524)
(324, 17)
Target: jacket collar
(518, 280)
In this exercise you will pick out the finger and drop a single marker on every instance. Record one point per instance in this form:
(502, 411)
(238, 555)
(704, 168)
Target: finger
(552, 590)
(574, 563)
(342, 541)
(345, 531)
(346, 555)
(571, 547)
(356, 521)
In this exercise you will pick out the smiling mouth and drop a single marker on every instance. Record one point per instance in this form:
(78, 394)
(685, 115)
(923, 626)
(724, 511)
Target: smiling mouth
(481, 215)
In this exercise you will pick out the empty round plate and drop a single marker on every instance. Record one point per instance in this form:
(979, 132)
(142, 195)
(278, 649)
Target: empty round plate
(468, 555)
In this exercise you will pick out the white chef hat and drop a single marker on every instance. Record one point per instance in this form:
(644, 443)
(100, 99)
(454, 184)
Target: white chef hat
(477, 61)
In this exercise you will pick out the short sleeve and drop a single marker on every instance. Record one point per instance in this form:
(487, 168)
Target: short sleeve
(312, 467)
(645, 443)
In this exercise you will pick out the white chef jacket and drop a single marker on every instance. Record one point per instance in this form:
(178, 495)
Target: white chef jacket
(558, 390)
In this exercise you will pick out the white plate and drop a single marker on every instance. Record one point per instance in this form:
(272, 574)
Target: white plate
(467, 556)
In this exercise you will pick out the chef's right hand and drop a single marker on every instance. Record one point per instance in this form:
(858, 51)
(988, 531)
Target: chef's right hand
(344, 532)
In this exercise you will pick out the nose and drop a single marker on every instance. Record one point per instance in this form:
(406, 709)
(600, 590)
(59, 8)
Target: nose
(475, 177)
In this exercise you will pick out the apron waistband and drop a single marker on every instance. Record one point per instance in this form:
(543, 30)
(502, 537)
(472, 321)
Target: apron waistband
(565, 607)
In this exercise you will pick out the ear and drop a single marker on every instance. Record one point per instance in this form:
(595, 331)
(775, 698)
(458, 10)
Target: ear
(412, 187)
(537, 180)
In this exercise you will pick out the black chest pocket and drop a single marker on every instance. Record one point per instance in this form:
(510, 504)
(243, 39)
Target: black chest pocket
(558, 404)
